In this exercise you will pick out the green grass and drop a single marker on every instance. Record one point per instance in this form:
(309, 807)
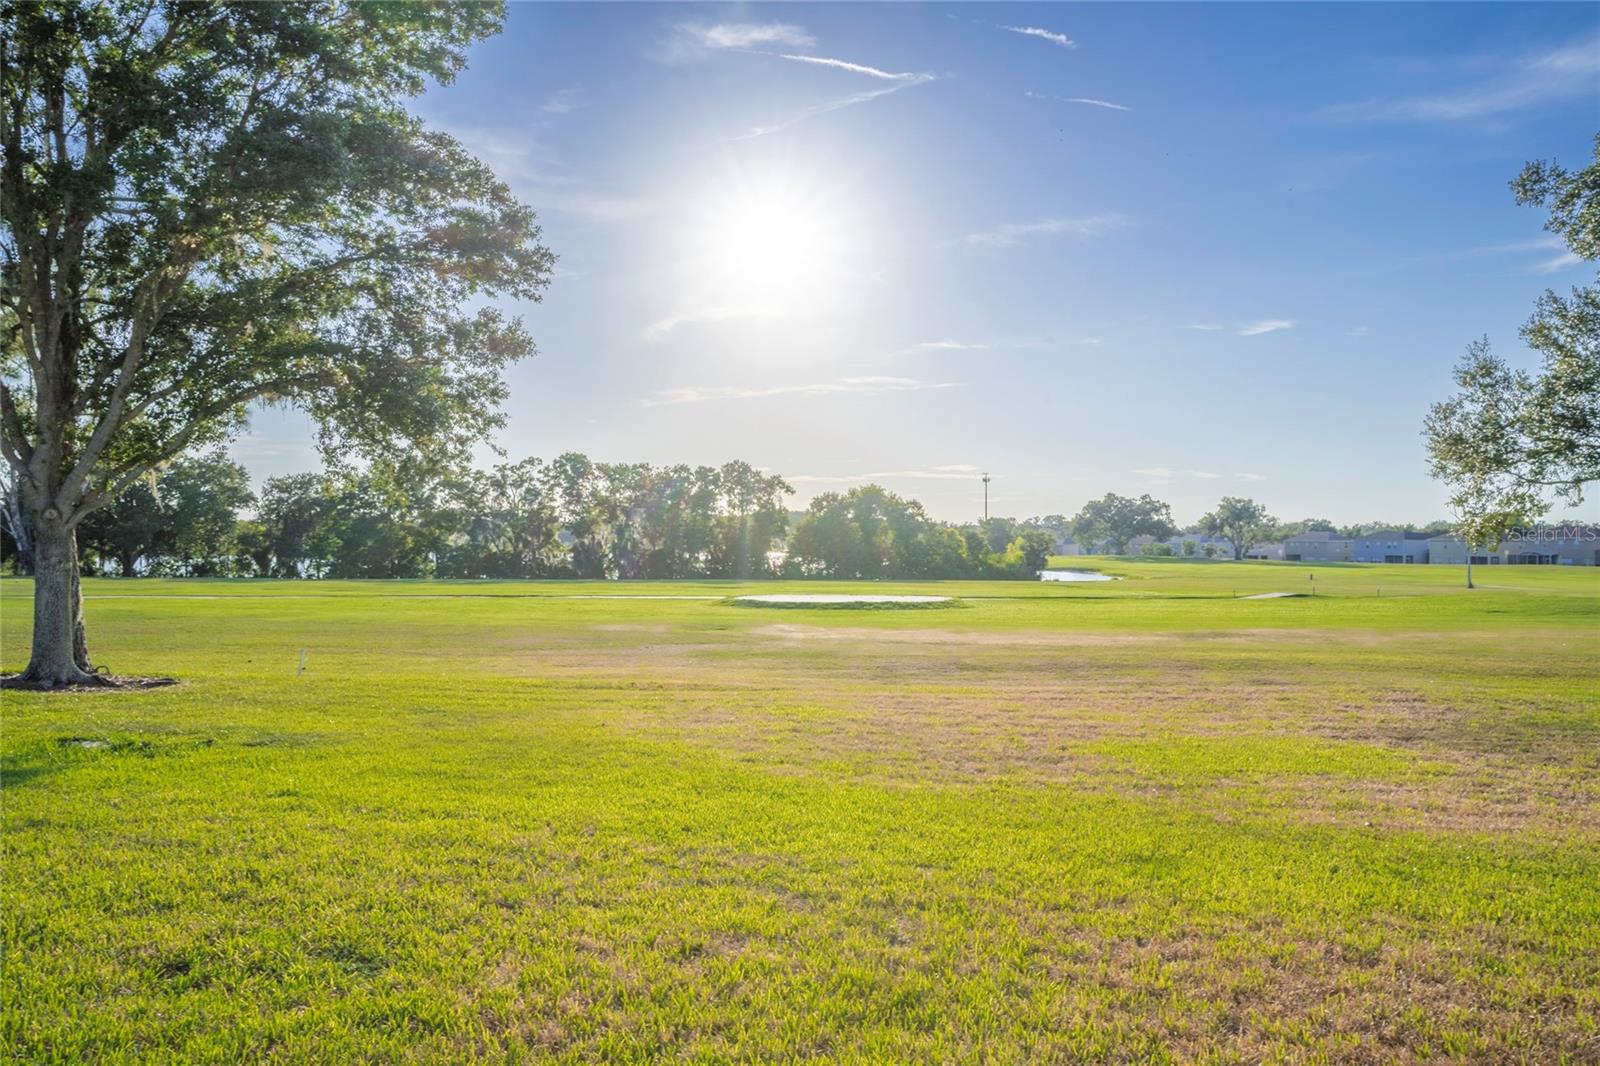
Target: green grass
(1126, 821)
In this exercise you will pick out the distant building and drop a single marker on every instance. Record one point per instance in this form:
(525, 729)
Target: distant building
(1450, 550)
(1565, 545)
(1318, 546)
(1571, 545)
(1391, 546)
(1067, 546)
(1220, 548)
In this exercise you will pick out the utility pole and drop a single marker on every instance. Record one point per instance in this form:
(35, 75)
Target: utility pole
(986, 495)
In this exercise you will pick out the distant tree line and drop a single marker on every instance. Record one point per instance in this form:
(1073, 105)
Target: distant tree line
(573, 517)
(1112, 524)
(869, 532)
(568, 517)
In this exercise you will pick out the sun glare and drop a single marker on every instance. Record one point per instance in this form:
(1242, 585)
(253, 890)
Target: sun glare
(774, 246)
(771, 243)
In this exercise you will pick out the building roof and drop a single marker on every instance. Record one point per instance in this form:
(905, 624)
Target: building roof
(1395, 534)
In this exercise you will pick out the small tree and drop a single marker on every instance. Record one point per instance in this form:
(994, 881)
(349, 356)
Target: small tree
(1481, 525)
(1034, 546)
(1510, 442)
(207, 205)
(1243, 523)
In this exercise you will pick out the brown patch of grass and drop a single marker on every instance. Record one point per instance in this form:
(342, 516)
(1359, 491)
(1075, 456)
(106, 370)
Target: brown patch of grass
(929, 705)
(1263, 993)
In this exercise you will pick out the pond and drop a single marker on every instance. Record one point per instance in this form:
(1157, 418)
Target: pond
(1074, 575)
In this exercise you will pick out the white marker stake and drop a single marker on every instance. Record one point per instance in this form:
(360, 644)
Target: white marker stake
(302, 669)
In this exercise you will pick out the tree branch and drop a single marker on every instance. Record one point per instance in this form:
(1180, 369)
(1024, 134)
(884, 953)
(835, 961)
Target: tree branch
(116, 481)
(13, 434)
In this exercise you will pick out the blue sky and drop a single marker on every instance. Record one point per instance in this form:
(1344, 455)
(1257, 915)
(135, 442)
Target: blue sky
(1192, 250)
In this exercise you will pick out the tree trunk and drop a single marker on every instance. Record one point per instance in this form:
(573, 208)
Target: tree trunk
(20, 533)
(1469, 568)
(60, 651)
(129, 561)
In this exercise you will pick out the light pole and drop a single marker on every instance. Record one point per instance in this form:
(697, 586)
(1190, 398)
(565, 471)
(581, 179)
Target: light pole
(986, 495)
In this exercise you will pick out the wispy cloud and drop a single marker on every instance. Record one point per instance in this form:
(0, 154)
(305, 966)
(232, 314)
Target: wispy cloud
(1358, 331)
(690, 42)
(671, 323)
(1560, 262)
(1053, 37)
(561, 102)
(898, 82)
(1208, 327)
(947, 346)
(1094, 103)
(748, 34)
(854, 386)
(956, 472)
(1015, 232)
(854, 68)
(1091, 101)
(1533, 79)
(1549, 254)
(1270, 325)
(1168, 473)
(831, 105)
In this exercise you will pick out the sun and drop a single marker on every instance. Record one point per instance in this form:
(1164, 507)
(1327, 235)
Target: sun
(773, 244)
(768, 242)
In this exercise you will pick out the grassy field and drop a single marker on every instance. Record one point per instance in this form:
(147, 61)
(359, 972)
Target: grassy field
(1143, 820)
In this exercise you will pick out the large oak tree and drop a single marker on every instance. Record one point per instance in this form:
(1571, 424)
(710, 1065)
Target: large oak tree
(1112, 522)
(1242, 522)
(210, 205)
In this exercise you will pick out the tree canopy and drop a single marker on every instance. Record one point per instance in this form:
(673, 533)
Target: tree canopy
(209, 205)
(1114, 521)
(185, 517)
(1510, 442)
(1243, 523)
(569, 517)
